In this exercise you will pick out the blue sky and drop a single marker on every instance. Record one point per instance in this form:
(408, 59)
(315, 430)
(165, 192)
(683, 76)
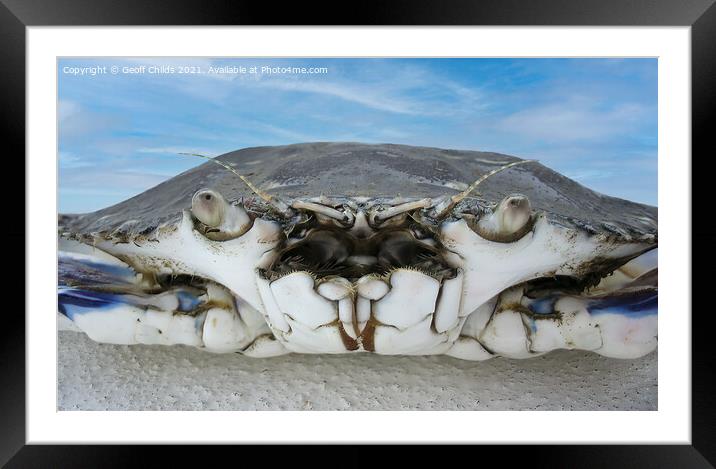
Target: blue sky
(594, 120)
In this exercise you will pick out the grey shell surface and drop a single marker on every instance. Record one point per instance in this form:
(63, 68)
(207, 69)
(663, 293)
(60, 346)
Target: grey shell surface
(307, 170)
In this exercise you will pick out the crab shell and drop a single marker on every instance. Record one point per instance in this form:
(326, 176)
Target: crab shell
(350, 247)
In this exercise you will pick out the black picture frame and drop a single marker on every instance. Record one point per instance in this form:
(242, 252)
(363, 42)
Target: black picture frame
(700, 15)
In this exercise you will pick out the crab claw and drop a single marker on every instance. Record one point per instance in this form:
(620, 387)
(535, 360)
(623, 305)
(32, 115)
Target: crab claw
(225, 221)
(509, 222)
(617, 318)
(106, 299)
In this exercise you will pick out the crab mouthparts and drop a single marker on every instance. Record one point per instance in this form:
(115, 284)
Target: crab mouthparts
(332, 252)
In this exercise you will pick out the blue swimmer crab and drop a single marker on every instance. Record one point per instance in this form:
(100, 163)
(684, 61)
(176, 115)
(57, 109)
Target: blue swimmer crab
(346, 247)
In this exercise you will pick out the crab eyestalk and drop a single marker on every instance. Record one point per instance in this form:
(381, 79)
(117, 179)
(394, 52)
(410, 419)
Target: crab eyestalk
(222, 220)
(509, 222)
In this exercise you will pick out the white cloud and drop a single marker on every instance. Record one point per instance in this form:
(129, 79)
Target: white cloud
(357, 94)
(286, 133)
(177, 150)
(108, 181)
(69, 160)
(75, 121)
(392, 133)
(408, 90)
(573, 120)
(66, 109)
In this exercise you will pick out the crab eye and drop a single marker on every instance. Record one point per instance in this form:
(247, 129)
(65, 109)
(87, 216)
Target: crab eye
(515, 211)
(208, 207)
(510, 221)
(225, 221)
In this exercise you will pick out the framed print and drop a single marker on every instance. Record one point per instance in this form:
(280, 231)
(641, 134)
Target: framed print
(450, 209)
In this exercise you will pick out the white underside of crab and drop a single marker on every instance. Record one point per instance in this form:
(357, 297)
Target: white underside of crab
(475, 315)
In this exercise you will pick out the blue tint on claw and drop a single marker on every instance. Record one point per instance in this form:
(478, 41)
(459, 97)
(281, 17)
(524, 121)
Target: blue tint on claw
(633, 304)
(187, 301)
(75, 269)
(72, 301)
(544, 305)
(626, 303)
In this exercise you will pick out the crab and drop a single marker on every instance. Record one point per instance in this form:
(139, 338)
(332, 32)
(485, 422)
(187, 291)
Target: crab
(348, 247)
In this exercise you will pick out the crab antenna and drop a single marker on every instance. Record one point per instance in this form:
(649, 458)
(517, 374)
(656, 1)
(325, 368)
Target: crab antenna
(455, 199)
(273, 201)
(402, 208)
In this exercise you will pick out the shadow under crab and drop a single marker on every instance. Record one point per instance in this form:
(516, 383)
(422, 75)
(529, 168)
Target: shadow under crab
(346, 247)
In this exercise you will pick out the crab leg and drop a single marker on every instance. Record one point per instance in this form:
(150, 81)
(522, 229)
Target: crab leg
(112, 306)
(546, 251)
(616, 319)
(231, 263)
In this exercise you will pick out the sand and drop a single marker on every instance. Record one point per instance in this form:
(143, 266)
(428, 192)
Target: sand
(96, 376)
